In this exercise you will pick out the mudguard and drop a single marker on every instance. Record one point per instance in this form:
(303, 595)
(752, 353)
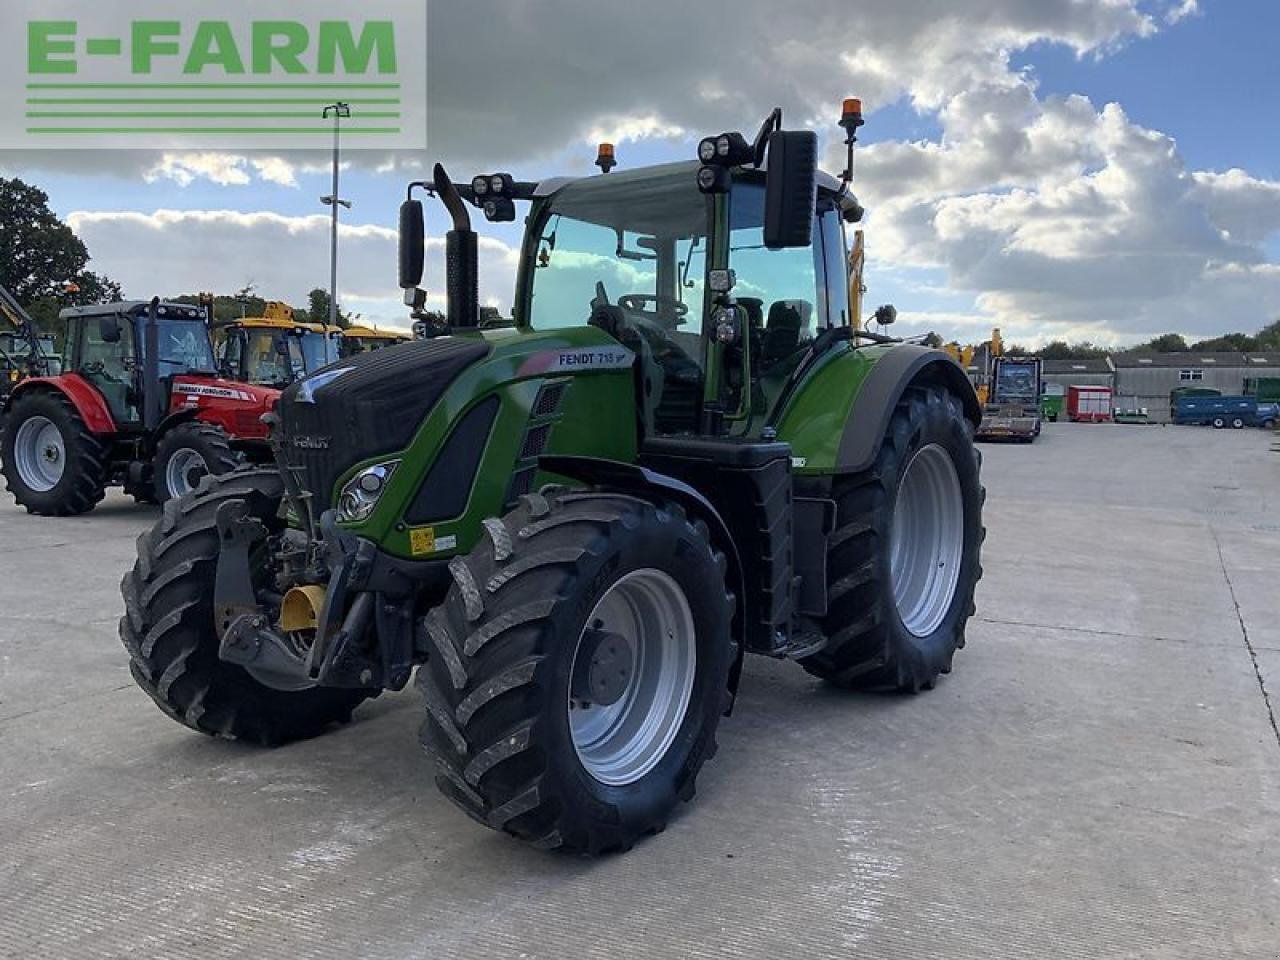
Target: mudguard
(883, 387)
(89, 403)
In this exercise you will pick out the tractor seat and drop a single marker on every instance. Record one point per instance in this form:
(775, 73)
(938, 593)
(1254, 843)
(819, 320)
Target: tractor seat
(782, 331)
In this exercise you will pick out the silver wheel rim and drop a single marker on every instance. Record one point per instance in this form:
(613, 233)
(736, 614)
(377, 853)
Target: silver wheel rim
(620, 743)
(40, 454)
(926, 543)
(183, 471)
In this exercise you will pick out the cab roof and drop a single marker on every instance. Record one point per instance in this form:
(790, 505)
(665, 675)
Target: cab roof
(135, 308)
(272, 323)
(370, 333)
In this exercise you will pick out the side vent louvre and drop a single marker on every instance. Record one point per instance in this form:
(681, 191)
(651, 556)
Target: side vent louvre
(535, 441)
(542, 417)
(549, 398)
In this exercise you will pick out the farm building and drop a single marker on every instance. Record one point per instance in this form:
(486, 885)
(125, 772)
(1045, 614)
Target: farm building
(1091, 372)
(1147, 379)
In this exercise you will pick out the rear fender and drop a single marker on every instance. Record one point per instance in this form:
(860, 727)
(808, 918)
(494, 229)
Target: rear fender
(649, 484)
(89, 403)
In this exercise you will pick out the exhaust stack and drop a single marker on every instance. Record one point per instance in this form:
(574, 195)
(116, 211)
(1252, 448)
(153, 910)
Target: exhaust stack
(462, 287)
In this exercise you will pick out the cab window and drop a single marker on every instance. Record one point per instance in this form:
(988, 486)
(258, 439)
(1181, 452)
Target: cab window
(109, 366)
(778, 289)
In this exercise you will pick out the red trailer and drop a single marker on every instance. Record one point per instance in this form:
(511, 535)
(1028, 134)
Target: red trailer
(1088, 404)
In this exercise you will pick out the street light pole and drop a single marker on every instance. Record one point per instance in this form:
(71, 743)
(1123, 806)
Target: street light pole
(340, 111)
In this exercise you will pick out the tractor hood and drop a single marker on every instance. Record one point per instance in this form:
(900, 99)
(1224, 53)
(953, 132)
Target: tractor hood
(373, 405)
(368, 404)
(236, 407)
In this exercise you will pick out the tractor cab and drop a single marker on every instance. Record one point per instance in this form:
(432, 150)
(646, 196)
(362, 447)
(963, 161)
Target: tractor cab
(131, 354)
(274, 350)
(356, 340)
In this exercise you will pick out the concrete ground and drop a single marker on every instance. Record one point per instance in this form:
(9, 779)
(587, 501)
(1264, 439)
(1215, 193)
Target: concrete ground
(1099, 777)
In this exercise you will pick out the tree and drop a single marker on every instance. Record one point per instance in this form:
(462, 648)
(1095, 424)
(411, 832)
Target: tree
(1227, 343)
(1165, 343)
(40, 255)
(318, 308)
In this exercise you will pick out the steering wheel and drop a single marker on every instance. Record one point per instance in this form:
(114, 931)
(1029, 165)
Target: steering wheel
(636, 302)
(99, 369)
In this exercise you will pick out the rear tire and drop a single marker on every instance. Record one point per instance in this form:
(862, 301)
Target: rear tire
(52, 464)
(873, 642)
(1237, 423)
(501, 676)
(172, 637)
(1218, 423)
(187, 454)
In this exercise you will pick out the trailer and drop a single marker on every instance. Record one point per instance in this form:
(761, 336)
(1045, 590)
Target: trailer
(1221, 412)
(1088, 404)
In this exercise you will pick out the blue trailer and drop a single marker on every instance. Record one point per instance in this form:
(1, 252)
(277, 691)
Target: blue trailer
(1219, 412)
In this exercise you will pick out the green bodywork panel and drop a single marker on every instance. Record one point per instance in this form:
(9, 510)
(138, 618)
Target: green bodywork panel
(814, 414)
(596, 418)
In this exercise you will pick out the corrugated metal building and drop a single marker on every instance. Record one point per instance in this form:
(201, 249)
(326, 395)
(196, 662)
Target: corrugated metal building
(1094, 372)
(1147, 379)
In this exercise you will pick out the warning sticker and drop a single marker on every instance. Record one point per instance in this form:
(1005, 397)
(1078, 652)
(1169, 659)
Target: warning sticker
(422, 540)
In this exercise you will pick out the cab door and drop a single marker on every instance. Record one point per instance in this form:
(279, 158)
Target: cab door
(106, 355)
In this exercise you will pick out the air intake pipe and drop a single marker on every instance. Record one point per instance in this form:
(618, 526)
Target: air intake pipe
(462, 288)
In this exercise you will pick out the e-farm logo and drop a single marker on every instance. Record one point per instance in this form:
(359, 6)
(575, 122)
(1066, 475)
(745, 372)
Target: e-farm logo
(214, 74)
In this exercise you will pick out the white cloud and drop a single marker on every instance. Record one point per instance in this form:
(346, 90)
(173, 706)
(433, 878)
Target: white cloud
(171, 252)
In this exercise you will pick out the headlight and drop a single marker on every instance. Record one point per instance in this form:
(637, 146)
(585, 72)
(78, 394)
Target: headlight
(480, 186)
(707, 150)
(361, 493)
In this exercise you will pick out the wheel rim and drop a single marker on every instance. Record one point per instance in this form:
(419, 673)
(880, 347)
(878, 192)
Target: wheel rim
(40, 454)
(620, 743)
(183, 471)
(926, 540)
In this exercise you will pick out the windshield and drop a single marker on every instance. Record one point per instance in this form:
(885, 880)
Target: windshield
(634, 241)
(255, 355)
(318, 350)
(183, 345)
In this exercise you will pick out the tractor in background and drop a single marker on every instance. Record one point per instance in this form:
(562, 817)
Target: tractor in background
(135, 401)
(356, 340)
(686, 448)
(24, 352)
(274, 350)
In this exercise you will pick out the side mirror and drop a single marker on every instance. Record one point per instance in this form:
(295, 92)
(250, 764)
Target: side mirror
(109, 328)
(790, 189)
(412, 238)
(886, 315)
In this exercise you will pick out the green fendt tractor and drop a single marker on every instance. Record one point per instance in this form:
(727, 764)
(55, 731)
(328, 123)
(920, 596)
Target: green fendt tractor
(684, 450)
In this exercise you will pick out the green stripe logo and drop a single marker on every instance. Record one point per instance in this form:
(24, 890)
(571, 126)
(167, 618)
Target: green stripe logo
(89, 80)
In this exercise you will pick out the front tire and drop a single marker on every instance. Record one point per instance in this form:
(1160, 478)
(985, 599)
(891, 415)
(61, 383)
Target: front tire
(903, 560)
(53, 465)
(186, 455)
(171, 633)
(535, 734)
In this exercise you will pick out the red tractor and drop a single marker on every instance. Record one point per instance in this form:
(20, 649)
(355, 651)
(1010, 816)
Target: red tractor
(138, 403)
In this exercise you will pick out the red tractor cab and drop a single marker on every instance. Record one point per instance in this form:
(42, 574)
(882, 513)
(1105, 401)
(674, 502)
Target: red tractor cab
(138, 403)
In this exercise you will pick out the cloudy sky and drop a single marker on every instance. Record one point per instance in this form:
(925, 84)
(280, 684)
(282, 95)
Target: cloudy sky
(1101, 169)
